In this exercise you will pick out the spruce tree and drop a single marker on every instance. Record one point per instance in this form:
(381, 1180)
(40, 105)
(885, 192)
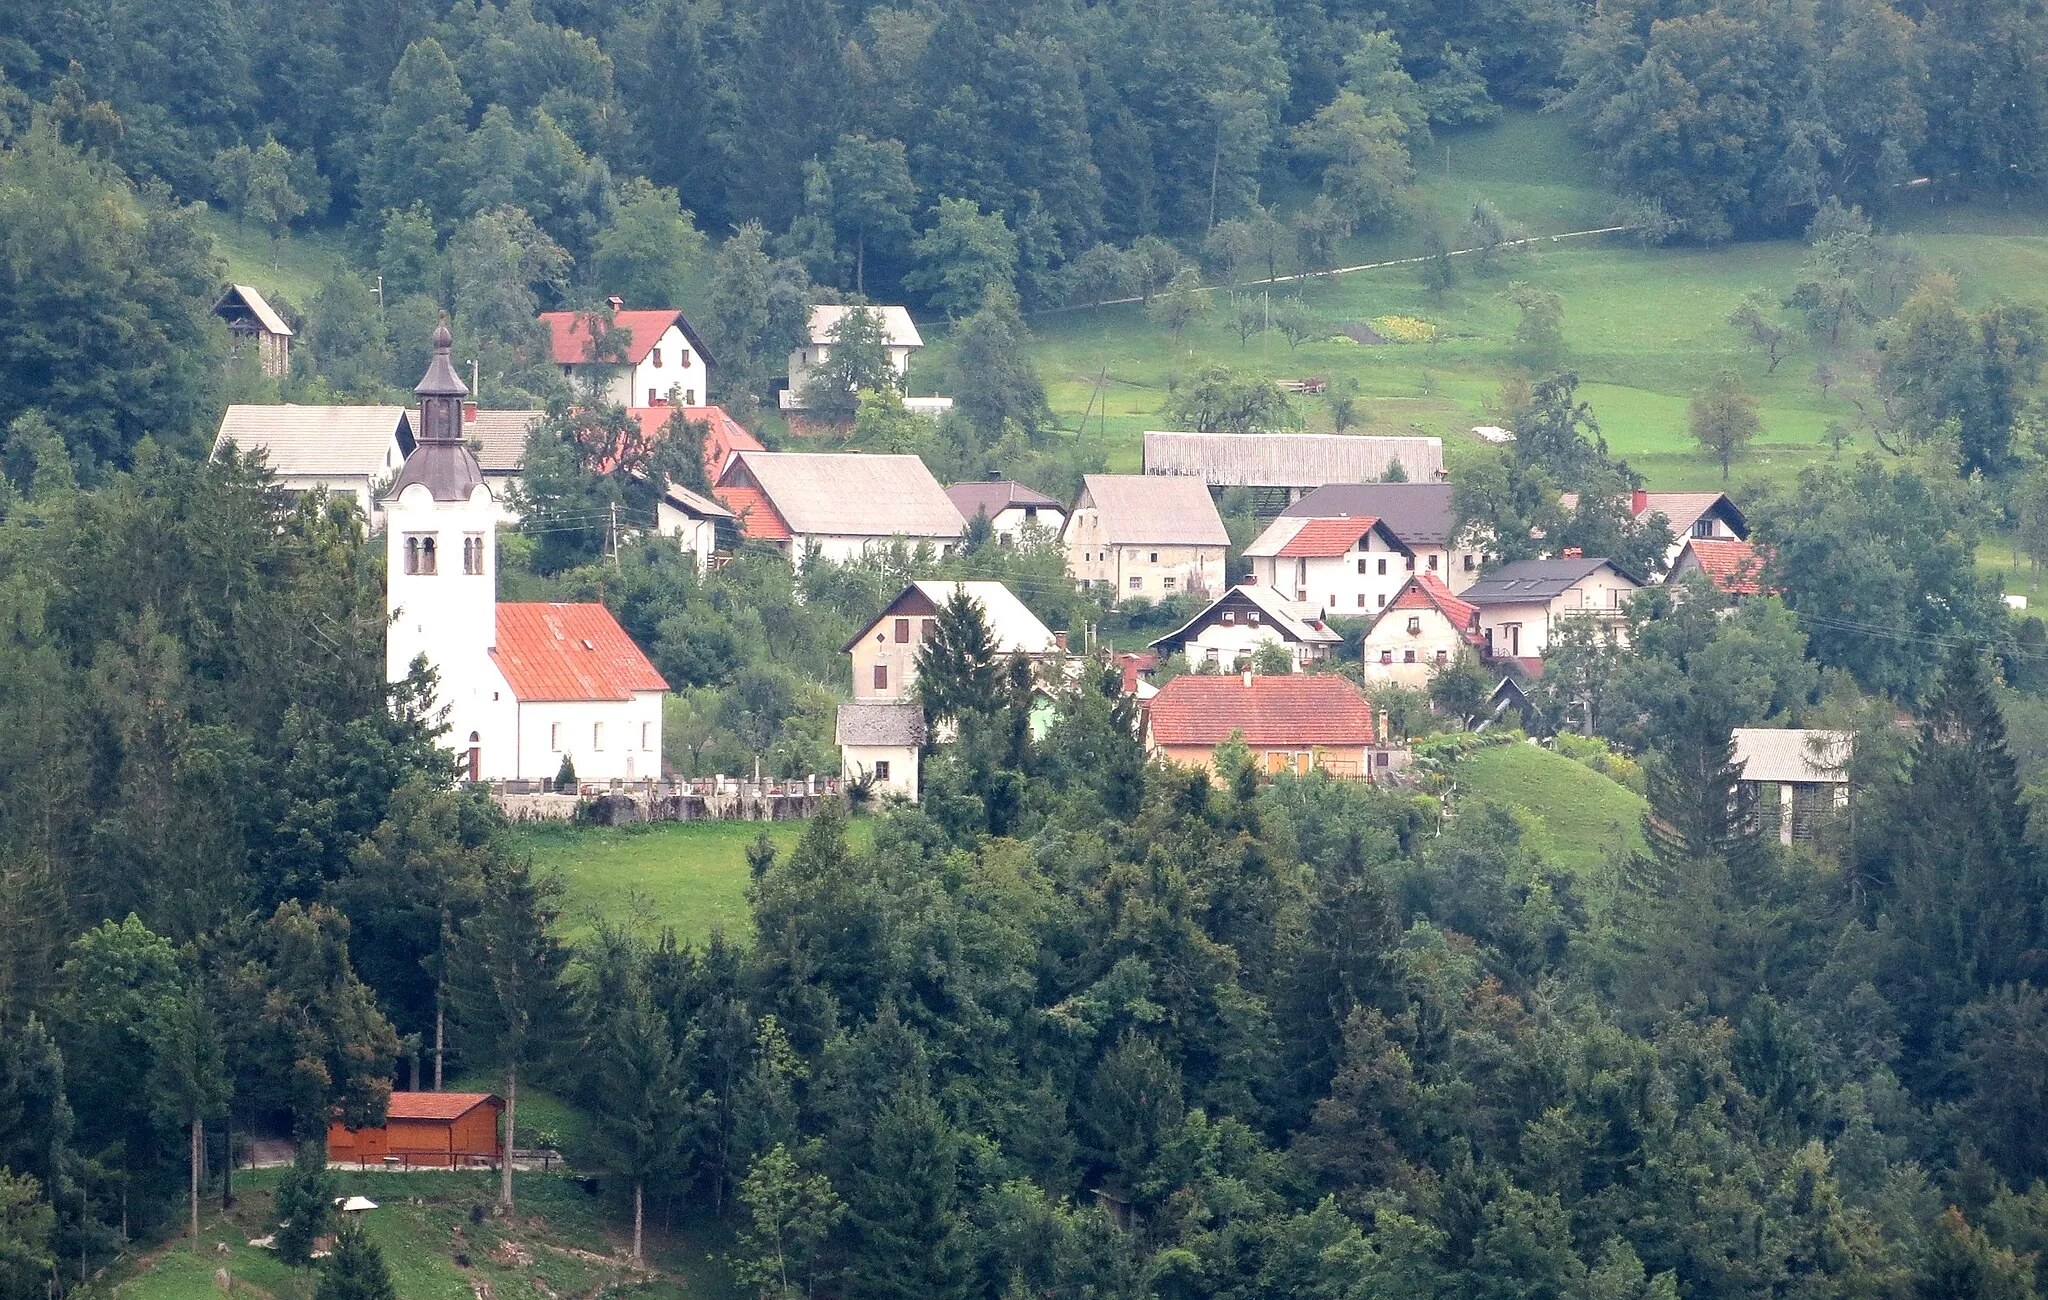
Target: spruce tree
(908, 1239)
(957, 670)
(355, 1271)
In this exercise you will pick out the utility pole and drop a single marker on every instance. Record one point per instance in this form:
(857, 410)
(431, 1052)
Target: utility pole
(379, 291)
(615, 540)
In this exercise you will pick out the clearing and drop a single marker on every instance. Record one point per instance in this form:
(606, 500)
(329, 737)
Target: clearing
(1583, 821)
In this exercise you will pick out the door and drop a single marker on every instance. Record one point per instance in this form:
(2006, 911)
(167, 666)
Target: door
(1514, 631)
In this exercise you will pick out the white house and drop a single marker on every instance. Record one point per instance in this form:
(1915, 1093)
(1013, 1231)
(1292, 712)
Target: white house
(1243, 620)
(1422, 515)
(1521, 604)
(640, 361)
(1705, 516)
(1011, 507)
(345, 450)
(899, 338)
(1421, 629)
(837, 503)
(1345, 568)
(1145, 536)
(880, 742)
(884, 653)
(524, 685)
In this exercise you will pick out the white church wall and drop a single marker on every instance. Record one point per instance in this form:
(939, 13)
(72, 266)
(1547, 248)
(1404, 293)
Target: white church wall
(629, 748)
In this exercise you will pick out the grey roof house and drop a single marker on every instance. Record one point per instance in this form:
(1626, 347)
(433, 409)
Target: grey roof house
(838, 503)
(1520, 604)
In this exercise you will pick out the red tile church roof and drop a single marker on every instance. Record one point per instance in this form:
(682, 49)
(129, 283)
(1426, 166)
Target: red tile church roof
(570, 652)
(1293, 710)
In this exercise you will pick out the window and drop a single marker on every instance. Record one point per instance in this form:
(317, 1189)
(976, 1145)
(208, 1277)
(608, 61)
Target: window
(1333, 600)
(1361, 564)
(419, 553)
(555, 737)
(653, 397)
(1469, 560)
(1383, 600)
(1703, 528)
(1301, 595)
(1383, 565)
(881, 677)
(902, 631)
(1379, 759)
(657, 358)
(1361, 600)
(1443, 656)
(1407, 656)
(473, 553)
(1253, 616)
(1229, 617)
(1168, 583)
(1213, 656)
(647, 735)
(1415, 625)
(1386, 656)
(597, 736)
(881, 769)
(689, 397)
(1137, 583)
(683, 358)
(1154, 559)
(1411, 564)
(1432, 564)
(427, 564)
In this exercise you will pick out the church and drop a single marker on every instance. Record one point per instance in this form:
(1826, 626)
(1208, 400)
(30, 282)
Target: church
(525, 685)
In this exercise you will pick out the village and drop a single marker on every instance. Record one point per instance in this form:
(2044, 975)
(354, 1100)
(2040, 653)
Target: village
(1361, 528)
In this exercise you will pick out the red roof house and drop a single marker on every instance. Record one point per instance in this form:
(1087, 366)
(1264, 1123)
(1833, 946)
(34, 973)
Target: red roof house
(1422, 627)
(1733, 565)
(648, 355)
(723, 435)
(1299, 722)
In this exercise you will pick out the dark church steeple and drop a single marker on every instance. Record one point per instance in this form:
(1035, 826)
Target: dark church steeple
(441, 459)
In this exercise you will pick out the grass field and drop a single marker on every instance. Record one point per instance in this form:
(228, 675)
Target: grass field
(563, 1241)
(1582, 820)
(1644, 328)
(689, 875)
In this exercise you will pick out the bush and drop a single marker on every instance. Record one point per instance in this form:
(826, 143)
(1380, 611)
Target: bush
(1601, 757)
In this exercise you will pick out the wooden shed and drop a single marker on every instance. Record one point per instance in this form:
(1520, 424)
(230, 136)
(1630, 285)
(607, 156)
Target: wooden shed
(446, 1130)
(253, 322)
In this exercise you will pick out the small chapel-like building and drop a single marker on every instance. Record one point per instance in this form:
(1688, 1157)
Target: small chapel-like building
(525, 685)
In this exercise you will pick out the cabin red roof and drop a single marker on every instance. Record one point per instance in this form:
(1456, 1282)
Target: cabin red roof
(1733, 566)
(1291, 710)
(436, 1105)
(1427, 591)
(569, 334)
(1326, 538)
(758, 520)
(570, 652)
(723, 435)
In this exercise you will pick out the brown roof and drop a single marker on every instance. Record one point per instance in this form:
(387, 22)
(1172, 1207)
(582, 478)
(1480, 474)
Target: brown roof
(1296, 709)
(437, 1105)
(996, 496)
(846, 494)
(569, 652)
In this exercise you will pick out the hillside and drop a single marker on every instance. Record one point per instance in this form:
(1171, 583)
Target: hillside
(563, 1242)
(1583, 820)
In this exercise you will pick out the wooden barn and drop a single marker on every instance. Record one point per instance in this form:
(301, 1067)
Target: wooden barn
(254, 323)
(437, 1129)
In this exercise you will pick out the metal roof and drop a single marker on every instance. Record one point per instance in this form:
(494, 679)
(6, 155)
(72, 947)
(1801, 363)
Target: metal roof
(1420, 514)
(1290, 459)
(319, 440)
(1792, 756)
(882, 725)
(569, 652)
(1140, 509)
(1530, 582)
(846, 494)
(898, 330)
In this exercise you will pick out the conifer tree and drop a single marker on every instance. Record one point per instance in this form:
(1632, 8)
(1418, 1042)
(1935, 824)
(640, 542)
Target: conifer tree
(908, 1239)
(355, 1271)
(956, 665)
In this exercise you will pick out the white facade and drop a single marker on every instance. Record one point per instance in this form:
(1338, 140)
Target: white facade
(1407, 646)
(1009, 524)
(671, 366)
(441, 593)
(899, 337)
(1152, 572)
(606, 740)
(1226, 646)
(695, 535)
(1523, 630)
(894, 767)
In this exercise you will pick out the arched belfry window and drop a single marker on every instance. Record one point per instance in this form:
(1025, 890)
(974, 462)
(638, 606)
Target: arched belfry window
(427, 555)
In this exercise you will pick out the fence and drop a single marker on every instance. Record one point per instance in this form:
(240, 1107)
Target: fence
(618, 803)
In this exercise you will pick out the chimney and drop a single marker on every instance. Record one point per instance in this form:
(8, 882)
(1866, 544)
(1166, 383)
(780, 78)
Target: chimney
(1247, 678)
(1638, 502)
(1382, 732)
(1060, 639)
(1574, 553)
(469, 412)
(616, 304)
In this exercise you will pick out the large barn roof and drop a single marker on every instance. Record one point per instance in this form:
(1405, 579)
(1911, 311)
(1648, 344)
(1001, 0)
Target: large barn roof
(1292, 460)
(1140, 509)
(846, 494)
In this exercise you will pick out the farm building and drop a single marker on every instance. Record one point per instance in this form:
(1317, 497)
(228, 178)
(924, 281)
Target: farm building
(254, 323)
(1282, 466)
(440, 1130)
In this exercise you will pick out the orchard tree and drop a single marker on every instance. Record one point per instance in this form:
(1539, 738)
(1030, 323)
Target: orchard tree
(998, 386)
(856, 362)
(1723, 420)
(964, 252)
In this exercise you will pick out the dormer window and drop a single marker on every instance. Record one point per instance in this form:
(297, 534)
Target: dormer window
(1252, 617)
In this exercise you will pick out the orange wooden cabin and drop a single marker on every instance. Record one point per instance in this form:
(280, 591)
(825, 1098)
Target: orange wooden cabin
(438, 1129)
